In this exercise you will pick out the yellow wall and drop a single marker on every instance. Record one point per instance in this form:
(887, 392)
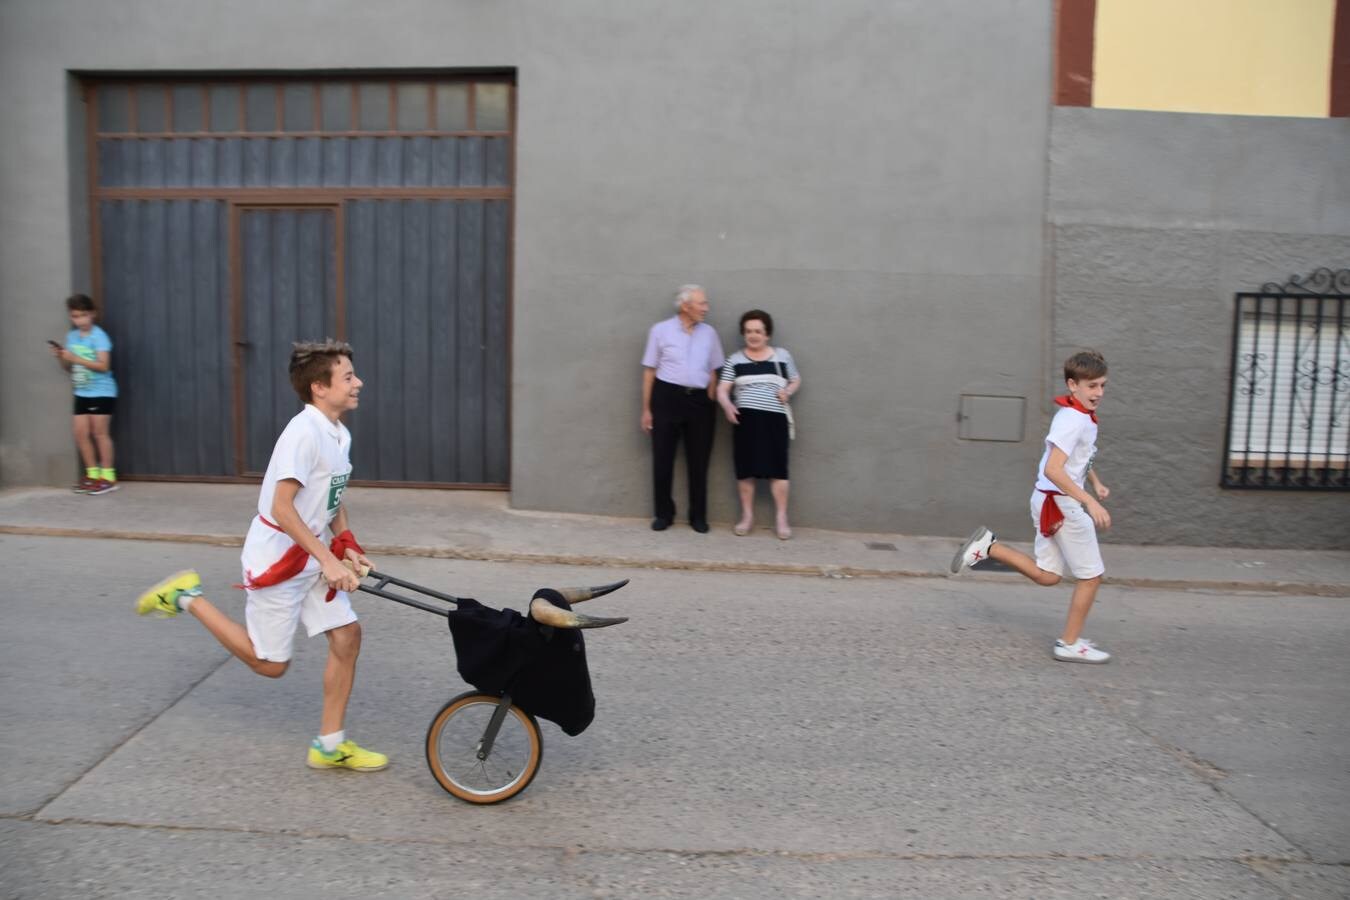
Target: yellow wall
(1245, 57)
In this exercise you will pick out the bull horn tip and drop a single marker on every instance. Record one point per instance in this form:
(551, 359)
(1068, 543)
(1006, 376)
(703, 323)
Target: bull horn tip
(580, 595)
(546, 613)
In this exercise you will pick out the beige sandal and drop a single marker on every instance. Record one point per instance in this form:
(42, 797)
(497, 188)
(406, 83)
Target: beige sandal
(742, 528)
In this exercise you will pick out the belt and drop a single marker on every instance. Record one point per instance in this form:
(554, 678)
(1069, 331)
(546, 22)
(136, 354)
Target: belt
(682, 389)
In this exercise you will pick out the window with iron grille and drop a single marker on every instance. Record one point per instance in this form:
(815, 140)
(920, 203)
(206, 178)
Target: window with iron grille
(1289, 416)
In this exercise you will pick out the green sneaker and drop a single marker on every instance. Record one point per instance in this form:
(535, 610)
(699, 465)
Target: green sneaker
(346, 756)
(162, 599)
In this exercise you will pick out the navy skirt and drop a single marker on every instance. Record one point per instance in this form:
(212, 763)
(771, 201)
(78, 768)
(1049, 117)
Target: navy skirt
(761, 445)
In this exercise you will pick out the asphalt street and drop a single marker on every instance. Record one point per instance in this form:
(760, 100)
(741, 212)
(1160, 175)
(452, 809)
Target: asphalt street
(757, 736)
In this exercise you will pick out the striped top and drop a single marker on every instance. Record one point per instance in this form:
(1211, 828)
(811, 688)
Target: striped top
(761, 395)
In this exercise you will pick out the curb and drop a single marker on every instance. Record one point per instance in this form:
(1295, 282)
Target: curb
(1305, 589)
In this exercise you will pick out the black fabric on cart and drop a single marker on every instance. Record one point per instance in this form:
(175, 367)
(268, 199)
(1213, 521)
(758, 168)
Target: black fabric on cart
(544, 668)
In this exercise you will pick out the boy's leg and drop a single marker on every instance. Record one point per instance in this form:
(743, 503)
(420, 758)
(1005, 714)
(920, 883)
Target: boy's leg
(336, 620)
(1084, 593)
(101, 428)
(339, 674)
(83, 429)
(234, 638)
(183, 591)
(1044, 568)
(1077, 544)
(106, 480)
(1024, 564)
(982, 544)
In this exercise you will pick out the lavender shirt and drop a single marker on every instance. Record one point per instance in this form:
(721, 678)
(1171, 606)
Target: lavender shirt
(680, 357)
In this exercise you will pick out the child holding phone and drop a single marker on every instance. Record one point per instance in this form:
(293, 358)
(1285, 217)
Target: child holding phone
(87, 356)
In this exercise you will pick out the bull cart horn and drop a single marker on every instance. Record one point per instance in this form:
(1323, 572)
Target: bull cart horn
(547, 613)
(579, 594)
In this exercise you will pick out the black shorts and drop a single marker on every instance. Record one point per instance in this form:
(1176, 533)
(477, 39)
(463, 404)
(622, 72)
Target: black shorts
(95, 406)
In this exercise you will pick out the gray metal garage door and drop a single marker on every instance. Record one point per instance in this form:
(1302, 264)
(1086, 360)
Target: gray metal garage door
(234, 217)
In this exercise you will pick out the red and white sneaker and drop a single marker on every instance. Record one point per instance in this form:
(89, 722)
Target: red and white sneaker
(1082, 651)
(975, 549)
(85, 486)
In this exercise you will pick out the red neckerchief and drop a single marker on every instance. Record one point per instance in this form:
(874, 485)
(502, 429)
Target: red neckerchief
(1069, 401)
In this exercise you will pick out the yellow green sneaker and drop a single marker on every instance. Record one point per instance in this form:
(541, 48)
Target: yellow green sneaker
(346, 756)
(162, 599)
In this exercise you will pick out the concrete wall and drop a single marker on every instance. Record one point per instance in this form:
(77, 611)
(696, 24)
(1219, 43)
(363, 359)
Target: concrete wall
(873, 173)
(863, 171)
(1157, 220)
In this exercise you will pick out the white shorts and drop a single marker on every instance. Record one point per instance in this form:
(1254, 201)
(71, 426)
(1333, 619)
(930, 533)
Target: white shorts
(271, 613)
(1074, 546)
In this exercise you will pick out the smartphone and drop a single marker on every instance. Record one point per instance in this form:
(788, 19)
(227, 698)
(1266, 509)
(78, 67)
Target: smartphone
(54, 344)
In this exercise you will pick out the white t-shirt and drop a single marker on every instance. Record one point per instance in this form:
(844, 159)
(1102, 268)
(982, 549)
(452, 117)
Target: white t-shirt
(316, 452)
(1076, 434)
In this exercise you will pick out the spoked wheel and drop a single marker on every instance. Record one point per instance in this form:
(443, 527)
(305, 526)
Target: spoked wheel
(455, 745)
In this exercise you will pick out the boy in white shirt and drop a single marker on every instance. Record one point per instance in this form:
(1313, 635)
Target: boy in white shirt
(1066, 515)
(290, 575)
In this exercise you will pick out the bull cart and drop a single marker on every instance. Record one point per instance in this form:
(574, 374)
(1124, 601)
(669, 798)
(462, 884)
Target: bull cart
(484, 746)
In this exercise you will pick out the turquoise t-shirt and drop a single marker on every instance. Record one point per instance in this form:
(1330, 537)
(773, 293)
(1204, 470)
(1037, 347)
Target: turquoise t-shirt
(87, 382)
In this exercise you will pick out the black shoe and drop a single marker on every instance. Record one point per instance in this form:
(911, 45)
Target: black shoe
(660, 524)
(699, 525)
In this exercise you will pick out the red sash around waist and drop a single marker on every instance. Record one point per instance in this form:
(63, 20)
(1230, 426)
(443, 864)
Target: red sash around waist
(1052, 517)
(294, 560)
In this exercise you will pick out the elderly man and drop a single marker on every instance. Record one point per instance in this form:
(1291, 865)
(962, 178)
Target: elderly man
(679, 383)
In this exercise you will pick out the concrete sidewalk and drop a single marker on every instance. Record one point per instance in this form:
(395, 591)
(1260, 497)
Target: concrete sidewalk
(480, 525)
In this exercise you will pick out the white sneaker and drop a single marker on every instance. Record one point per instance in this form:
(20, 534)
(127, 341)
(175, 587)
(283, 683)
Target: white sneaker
(1081, 651)
(975, 549)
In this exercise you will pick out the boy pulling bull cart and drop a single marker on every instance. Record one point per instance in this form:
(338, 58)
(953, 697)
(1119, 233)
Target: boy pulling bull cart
(521, 664)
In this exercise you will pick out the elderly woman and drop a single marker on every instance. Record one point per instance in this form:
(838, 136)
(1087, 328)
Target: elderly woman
(764, 377)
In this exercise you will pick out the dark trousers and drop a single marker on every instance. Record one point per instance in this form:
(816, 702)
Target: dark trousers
(688, 413)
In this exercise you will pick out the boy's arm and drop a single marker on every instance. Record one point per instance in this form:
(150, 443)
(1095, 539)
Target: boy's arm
(340, 525)
(101, 363)
(1054, 470)
(1101, 490)
(288, 519)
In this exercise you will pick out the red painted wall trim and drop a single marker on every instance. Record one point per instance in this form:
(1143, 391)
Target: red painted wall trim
(1075, 24)
(1340, 61)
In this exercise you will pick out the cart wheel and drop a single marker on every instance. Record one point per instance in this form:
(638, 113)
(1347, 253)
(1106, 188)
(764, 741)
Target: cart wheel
(452, 750)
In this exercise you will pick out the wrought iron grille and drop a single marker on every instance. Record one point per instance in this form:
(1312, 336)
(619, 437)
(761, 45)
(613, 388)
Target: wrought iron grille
(1289, 416)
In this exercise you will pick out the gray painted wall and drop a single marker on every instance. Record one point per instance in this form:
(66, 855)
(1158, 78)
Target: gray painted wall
(803, 159)
(1157, 220)
(873, 173)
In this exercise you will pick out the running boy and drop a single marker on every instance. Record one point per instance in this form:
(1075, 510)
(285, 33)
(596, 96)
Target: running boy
(1066, 515)
(290, 575)
(87, 356)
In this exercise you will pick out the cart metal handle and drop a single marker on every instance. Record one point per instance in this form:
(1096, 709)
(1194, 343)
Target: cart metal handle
(381, 589)
(541, 609)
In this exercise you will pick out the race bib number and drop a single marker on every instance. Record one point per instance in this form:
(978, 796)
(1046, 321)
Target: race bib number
(335, 489)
